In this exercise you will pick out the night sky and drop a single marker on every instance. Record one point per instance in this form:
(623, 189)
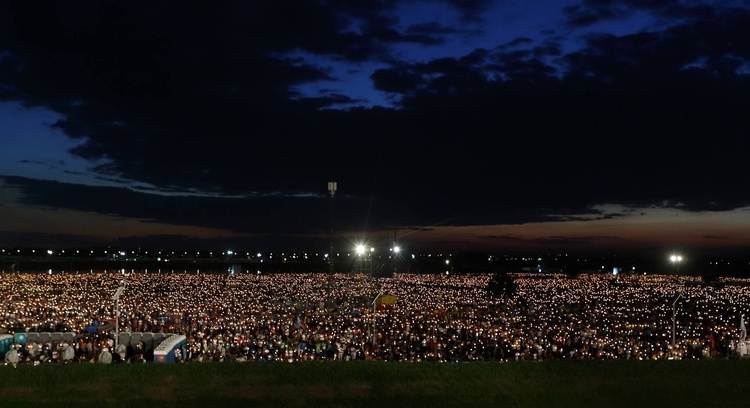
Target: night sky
(455, 124)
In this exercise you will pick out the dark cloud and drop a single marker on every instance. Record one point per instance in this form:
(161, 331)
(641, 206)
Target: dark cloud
(400, 80)
(589, 243)
(266, 214)
(471, 10)
(203, 100)
(509, 238)
(547, 49)
(194, 88)
(37, 240)
(436, 76)
(303, 214)
(568, 242)
(623, 119)
(263, 243)
(519, 41)
(667, 12)
(383, 29)
(579, 217)
(430, 29)
(330, 98)
(583, 15)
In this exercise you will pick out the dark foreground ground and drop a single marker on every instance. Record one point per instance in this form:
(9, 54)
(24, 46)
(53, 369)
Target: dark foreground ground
(687, 383)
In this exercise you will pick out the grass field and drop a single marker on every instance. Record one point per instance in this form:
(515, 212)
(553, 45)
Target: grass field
(576, 384)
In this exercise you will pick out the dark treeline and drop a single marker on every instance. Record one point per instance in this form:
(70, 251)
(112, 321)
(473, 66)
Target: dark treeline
(706, 266)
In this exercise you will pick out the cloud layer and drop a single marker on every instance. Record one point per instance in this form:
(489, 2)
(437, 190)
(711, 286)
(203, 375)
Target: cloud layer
(205, 100)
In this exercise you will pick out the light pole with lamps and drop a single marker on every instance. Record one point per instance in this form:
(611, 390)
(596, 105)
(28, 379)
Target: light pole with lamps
(116, 297)
(674, 318)
(675, 260)
(332, 187)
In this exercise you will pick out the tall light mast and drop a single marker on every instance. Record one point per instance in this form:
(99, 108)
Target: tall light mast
(332, 186)
(116, 298)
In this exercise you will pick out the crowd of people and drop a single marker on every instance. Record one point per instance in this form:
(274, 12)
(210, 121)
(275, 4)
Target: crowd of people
(293, 317)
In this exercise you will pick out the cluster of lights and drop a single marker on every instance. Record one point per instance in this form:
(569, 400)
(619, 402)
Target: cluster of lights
(361, 249)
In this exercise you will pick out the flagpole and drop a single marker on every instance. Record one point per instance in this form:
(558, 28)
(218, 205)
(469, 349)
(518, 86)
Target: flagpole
(674, 318)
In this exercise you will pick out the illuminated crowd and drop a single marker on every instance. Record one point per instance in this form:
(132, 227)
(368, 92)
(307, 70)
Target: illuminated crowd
(293, 317)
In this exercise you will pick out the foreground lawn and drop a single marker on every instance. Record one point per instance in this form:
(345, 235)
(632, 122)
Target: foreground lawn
(706, 383)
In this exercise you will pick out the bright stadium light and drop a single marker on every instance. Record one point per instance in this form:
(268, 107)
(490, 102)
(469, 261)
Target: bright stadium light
(396, 249)
(360, 249)
(676, 260)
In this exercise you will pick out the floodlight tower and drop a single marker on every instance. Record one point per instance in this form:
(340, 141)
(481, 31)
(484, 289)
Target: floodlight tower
(332, 186)
(676, 260)
(396, 250)
(674, 317)
(374, 317)
(116, 298)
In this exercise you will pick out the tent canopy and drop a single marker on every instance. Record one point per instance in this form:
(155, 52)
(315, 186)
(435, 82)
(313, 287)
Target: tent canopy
(386, 299)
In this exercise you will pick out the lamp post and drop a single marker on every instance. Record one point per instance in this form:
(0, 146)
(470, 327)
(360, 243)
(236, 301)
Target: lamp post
(674, 318)
(332, 186)
(396, 250)
(675, 260)
(374, 317)
(116, 297)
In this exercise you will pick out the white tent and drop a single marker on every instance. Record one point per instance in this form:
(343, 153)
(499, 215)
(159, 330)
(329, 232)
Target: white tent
(135, 338)
(148, 341)
(123, 338)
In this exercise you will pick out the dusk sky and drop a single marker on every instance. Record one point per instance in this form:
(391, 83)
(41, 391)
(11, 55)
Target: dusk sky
(461, 124)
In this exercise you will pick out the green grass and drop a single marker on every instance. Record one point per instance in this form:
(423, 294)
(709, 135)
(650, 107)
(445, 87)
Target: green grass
(369, 384)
